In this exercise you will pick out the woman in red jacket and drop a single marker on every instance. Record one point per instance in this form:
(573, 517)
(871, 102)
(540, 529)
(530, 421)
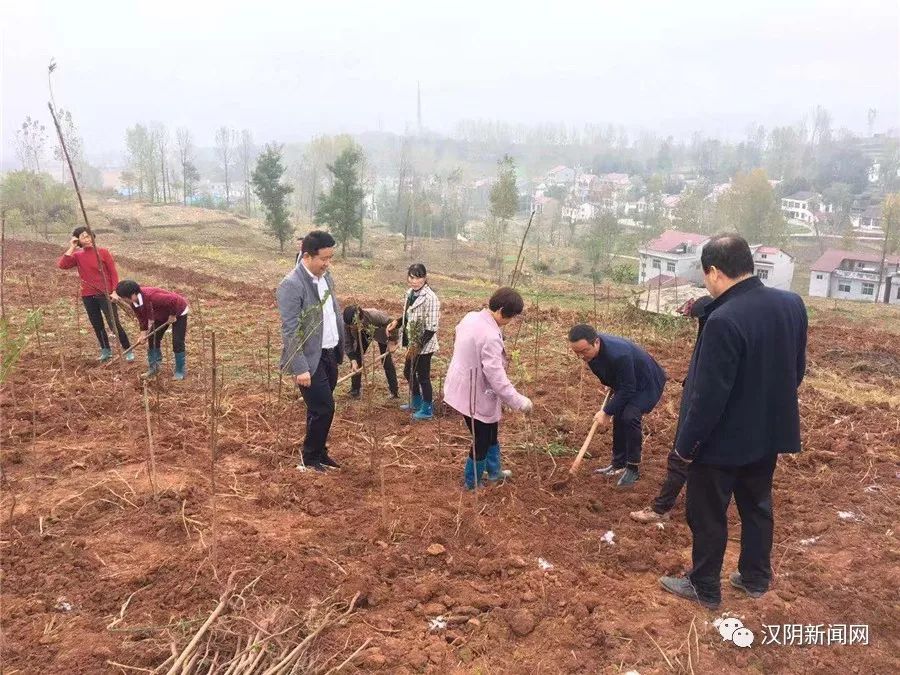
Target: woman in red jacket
(155, 307)
(80, 254)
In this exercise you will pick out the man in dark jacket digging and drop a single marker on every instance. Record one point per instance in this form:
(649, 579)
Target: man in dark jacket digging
(365, 325)
(742, 411)
(676, 469)
(637, 383)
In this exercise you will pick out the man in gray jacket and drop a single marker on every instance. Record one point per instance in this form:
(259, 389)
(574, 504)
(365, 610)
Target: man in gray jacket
(312, 330)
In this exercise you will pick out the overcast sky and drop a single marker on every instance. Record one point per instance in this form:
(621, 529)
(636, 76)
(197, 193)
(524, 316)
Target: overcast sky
(289, 70)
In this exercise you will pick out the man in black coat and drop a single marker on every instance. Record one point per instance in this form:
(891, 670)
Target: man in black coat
(676, 468)
(636, 381)
(742, 411)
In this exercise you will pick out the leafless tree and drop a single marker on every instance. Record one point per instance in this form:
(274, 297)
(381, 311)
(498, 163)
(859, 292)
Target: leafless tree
(185, 144)
(247, 156)
(225, 141)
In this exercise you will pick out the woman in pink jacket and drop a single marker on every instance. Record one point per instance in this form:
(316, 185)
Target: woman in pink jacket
(477, 384)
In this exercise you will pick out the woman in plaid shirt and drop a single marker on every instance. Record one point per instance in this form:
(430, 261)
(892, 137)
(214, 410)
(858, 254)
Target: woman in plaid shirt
(419, 330)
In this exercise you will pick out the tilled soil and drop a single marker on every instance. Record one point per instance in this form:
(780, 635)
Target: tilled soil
(97, 571)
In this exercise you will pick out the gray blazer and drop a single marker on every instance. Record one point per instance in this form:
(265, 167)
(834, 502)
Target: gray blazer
(298, 296)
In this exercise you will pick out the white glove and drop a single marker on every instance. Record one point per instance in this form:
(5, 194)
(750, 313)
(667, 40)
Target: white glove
(527, 406)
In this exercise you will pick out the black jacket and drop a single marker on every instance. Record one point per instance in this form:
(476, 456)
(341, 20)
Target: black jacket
(630, 372)
(741, 387)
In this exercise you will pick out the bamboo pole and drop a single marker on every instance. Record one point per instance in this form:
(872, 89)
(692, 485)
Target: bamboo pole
(87, 224)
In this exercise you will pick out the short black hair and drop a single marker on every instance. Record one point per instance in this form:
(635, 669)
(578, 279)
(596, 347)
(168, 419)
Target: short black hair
(350, 314)
(315, 241)
(583, 332)
(78, 230)
(729, 253)
(127, 288)
(417, 271)
(508, 301)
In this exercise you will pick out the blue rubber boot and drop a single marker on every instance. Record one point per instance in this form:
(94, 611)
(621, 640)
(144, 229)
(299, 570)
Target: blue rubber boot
(179, 365)
(473, 469)
(414, 405)
(154, 359)
(425, 413)
(105, 354)
(495, 471)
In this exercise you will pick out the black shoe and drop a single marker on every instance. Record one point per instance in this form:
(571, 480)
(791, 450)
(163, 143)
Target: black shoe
(738, 582)
(312, 466)
(395, 395)
(629, 478)
(327, 461)
(611, 470)
(354, 393)
(683, 588)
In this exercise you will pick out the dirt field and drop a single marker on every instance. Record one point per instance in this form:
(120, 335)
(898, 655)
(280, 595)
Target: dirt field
(387, 565)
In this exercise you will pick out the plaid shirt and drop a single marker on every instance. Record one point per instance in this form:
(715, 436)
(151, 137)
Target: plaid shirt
(423, 314)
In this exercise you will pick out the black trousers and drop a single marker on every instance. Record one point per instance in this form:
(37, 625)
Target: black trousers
(389, 370)
(319, 400)
(96, 308)
(709, 491)
(676, 477)
(627, 437)
(485, 436)
(417, 372)
(179, 332)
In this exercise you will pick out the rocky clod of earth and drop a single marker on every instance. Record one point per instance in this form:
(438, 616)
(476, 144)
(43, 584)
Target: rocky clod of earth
(522, 622)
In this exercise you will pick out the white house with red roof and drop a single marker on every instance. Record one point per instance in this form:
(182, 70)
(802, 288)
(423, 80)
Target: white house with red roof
(774, 267)
(673, 253)
(560, 175)
(850, 275)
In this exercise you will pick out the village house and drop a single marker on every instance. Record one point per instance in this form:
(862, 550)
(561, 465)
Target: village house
(669, 204)
(560, 175)
(774, 267)
(870, 218)
(849, 275)
(805, 206)
(673, 253)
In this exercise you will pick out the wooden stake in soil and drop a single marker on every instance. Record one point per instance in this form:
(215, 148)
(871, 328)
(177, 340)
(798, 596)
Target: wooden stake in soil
(213, 412)
(268, 366)
(37, 331)
(2, 264)
(472, 374)
(151, 457)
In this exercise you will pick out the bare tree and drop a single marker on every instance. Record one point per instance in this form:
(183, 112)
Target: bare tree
(185, 144)
(225, 140)
(248, 157)
(161, 142)
(30, 140)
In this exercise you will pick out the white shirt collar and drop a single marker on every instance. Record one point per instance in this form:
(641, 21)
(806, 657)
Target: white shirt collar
(303, 265)
(140, 300)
